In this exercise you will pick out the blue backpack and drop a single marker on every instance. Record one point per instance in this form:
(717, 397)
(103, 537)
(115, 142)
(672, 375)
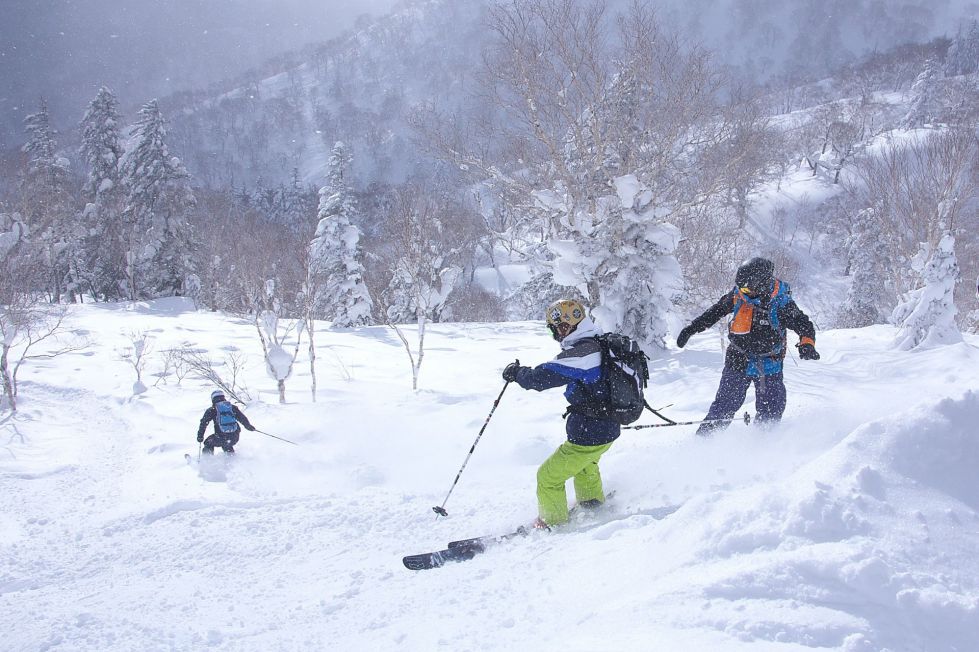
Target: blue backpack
(225, 419)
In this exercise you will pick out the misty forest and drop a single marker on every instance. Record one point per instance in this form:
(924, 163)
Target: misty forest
(294, 224)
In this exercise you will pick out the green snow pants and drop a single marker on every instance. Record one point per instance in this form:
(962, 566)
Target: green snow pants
(568, 461)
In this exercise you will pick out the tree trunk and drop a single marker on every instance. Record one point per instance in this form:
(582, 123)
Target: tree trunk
(8, 384)
(312, 359)
(282, 391)
(416, 370)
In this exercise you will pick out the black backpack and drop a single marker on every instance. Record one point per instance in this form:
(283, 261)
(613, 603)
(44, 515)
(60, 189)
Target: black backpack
(625, 375)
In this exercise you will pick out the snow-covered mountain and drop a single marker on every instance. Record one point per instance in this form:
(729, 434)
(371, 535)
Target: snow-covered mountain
(850, 526)
(362, 88)
(359, 89)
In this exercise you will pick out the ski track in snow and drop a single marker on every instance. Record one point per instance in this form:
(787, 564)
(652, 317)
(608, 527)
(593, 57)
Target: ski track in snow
(850, 526)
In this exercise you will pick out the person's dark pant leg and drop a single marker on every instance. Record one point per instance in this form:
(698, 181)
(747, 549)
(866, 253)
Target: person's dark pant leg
(770, 401)
(729, 398)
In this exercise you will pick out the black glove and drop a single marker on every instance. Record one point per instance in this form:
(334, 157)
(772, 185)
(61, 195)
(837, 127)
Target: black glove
(685, 334)
(251, 428)
(200, 438)
(807, 351)
(510, 373)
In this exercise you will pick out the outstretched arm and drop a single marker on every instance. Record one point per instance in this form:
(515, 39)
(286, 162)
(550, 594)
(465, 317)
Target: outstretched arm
(714, 314)
(711, 316)
(540, 378)
(242, 419)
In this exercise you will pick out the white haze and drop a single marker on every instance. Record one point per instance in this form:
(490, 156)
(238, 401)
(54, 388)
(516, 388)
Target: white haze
(64, 50)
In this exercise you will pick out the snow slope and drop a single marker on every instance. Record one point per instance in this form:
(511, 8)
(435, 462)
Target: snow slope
(852, 525)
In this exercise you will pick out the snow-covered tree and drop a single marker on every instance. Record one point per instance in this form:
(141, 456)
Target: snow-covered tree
(13, 232)
(55, 232)
(923, 101)
(341, 294)
(927, 315)
(628, 258)
(275, 334)
(107, 235)
(158, 194)
(41, 148)
(962, 57)
(870, 254)
(298, 204)
(101, 146)
(423, 274)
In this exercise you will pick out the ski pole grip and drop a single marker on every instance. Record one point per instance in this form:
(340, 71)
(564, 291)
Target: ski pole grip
(440, 511)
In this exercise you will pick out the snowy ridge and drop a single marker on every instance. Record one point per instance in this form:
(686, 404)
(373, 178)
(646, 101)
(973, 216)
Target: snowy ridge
(851, 526)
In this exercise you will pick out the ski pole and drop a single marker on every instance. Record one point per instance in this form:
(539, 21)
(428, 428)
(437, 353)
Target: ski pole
(274, 437)
(440, 509)
(747, 421)
(200, 446)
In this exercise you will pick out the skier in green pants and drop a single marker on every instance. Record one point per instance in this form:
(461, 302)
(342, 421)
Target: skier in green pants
(579, 368)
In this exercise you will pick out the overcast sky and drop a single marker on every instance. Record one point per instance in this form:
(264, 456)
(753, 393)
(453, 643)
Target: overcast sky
(65, 49)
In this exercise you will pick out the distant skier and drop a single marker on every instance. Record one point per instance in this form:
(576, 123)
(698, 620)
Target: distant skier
(762, 308)
(225, 418)
(578, 367)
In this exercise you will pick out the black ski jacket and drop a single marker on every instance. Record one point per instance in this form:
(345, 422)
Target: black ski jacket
(761, 338)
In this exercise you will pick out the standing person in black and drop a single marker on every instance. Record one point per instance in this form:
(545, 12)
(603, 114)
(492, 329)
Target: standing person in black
(762, 309)
(225, 418)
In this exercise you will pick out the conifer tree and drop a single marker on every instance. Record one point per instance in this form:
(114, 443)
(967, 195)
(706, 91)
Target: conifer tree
(954, 55)
(922, 106)
(48, 208)
(335, 250)
(158, 195)
(102, 150)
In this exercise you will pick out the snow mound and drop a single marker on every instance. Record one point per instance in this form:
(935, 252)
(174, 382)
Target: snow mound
(854, 550)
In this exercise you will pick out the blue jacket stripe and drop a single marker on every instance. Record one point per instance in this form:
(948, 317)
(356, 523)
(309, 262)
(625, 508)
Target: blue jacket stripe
(583, 375)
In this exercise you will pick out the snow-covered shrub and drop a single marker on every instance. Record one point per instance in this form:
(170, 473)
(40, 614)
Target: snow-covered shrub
(867, 296)
(927, 315)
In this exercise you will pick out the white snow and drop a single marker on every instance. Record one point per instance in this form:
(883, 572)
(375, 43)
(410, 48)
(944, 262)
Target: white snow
(853, 525)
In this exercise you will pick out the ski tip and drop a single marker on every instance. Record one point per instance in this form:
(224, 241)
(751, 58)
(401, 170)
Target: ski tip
(423, 561)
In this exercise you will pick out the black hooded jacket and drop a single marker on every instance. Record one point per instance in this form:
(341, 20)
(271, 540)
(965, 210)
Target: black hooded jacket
(762, 338)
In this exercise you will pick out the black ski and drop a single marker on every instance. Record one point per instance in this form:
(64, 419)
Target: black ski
(466, 549)
(461, 550)
(438, 558)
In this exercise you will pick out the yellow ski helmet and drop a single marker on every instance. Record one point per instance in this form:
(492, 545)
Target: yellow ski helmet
(563, 317)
